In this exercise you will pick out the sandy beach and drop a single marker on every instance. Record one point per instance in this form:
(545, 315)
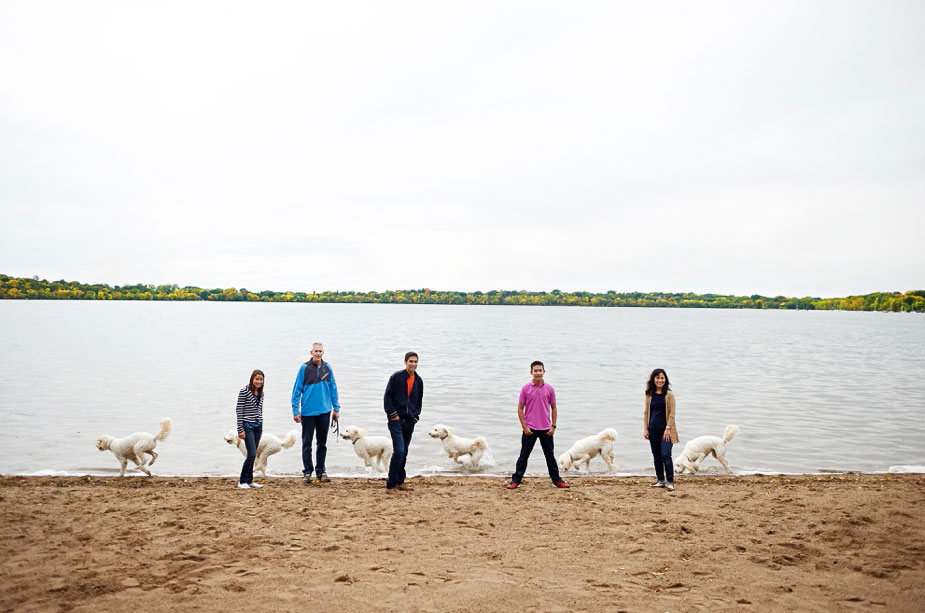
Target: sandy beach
(832, 542)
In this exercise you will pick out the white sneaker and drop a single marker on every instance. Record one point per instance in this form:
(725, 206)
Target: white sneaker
(255, 486)
(243, 486)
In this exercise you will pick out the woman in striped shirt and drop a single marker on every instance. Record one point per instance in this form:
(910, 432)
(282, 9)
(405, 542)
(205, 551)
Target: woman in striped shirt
(250, 426)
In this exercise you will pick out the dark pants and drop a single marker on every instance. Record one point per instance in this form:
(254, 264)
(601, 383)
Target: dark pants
(526, 446)
(252, 433)
(661, 455)
(315, 425)
(401, 430)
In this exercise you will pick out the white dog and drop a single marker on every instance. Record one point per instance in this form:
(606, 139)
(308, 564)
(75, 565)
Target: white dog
(696, 450)
(455, 446)
(269, 444)
(375, 451)
(134, 447)
(600, 444)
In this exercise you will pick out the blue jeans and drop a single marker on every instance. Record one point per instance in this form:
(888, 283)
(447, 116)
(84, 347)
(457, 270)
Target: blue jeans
(661, 455)
(315, 425)
(401, 430)
(252, 434)
(526, 447)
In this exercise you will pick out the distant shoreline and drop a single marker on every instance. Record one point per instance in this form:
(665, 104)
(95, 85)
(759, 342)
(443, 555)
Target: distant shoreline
(24, 288)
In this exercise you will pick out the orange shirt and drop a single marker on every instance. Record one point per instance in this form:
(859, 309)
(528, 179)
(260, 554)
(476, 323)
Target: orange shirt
(410, 384)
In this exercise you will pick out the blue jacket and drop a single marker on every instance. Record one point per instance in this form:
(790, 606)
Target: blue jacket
(315, 391)
(398, 402)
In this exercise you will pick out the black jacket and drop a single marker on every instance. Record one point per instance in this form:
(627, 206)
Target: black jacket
(398, 402)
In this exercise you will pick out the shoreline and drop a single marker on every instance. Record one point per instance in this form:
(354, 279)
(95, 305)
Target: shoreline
(784, 542)
(911, 469)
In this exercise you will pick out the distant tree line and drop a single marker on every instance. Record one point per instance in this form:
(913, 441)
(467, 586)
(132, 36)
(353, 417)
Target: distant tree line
(19, 288)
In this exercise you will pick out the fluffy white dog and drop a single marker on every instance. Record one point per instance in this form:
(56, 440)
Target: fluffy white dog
(134, 447)
(696, 450)
(600, 444)
(375, 451)
(455, 447)
(269, 444)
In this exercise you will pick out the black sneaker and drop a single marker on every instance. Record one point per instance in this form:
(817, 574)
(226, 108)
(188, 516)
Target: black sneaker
(323, 478)
(306, 477)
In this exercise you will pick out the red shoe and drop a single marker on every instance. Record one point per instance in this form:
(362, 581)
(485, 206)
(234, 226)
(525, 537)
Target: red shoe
(561, 483)
(513, 485)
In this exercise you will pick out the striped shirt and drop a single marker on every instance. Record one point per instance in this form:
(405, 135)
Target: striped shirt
(250, 408)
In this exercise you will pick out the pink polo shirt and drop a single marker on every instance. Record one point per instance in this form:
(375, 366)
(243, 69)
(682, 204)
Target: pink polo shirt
(536, 400)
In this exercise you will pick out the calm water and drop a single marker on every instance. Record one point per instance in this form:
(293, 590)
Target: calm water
(811, 391)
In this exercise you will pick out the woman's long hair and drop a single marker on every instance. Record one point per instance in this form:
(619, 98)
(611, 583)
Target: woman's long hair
(650, 386)
(255, 390)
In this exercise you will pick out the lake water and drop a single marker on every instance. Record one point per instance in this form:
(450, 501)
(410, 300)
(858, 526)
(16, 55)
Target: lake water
(810, 391)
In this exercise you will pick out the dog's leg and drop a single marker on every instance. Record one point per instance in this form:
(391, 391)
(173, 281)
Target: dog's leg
(153, 457)
(384, 460)
(261, 466)
(141, 460)
(695, 463)
(722, 460)
(141, 466)
(608, 460)
(123, 462)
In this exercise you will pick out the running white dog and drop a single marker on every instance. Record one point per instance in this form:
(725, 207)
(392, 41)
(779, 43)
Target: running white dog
(600, 444)
(455, 447)
(375, 451)
(696, 450)
(269, 444)
(134, 447)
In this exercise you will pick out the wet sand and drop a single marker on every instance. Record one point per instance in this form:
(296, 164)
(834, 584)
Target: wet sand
(833, 542)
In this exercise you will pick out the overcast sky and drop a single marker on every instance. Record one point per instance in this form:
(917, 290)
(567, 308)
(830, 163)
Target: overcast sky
(729, 147)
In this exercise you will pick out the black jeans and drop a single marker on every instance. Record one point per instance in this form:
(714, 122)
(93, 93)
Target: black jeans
(252, 434)
(526, 446)
(401, 430)
(661, 456)
(315, 425)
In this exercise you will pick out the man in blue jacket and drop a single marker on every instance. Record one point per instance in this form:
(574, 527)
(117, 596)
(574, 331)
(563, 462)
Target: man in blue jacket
(402, 402)
(313, 396)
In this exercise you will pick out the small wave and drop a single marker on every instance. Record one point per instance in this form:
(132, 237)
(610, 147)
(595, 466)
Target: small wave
(907, 468)
(47, 472)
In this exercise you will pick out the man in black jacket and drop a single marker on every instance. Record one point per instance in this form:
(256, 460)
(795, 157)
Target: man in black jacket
(402, 402)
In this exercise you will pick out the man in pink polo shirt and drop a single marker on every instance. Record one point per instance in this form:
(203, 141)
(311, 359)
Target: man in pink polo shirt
(536, 409)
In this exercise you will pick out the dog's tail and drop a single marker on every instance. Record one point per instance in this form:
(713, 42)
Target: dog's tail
(165, 429)
(610, 434)
(730, 431)
(290, 439)
(480, 442)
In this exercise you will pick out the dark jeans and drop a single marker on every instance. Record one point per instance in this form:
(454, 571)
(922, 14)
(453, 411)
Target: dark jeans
(401, 430)
(526, 446)
(661, 455)
(315, 425)
(252, 434)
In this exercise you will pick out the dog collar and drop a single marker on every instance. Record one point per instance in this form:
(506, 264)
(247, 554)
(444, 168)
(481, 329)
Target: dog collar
(443, 438)
(354, 441)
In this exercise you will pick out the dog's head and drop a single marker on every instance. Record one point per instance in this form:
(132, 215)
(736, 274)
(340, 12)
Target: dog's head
(352, 433)
(565, 461)
(232, 437)
(102, 443)
(440, 431)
